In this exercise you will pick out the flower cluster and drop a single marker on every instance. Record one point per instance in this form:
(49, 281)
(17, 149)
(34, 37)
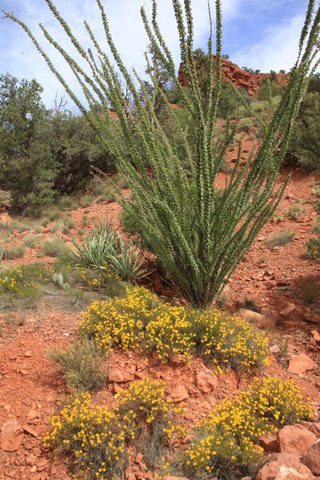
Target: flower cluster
(231, 341)
(93, 435)
(141, 320)
(145, 404)
(99, 439)
(229, 438)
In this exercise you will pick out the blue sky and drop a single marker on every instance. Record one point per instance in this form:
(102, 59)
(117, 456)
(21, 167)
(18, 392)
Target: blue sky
(257, 33)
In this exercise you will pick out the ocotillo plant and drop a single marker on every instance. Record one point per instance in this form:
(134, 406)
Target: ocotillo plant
(199, 231)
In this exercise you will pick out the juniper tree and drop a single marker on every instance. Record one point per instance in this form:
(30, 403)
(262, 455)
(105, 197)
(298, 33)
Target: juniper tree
(199, 231)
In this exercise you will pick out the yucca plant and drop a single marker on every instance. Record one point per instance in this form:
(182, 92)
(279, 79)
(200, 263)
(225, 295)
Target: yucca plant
(93, 251)
(104, 249)
(126, 261)
(198, 231)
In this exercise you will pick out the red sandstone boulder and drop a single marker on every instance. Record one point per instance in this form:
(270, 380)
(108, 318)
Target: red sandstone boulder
(312, 458)
(285, 467)
(296, 439)
(300, 364)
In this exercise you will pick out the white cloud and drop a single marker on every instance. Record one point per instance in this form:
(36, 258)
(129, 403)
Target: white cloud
(22, 59)
(277, 50)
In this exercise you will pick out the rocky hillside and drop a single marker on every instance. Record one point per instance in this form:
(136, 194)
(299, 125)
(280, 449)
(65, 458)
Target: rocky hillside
(241, 78)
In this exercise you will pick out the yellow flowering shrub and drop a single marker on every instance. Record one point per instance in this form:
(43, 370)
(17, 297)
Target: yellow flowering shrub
(141, 320)
(99, 439)
(93, 435)
(228, 441)
(145, 406)
(230, 340)
(120, 321)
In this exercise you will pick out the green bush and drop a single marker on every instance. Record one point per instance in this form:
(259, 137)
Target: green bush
(55, 247)
(313, 248)
(12, 253)
(43, 154)
(280, 238)
(81, 366)
(304, 148)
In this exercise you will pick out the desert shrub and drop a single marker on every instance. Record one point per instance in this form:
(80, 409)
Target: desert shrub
(280, 238)
(104, 248)
(98, 439)
(55, 247)
(316, 228)
(92, 435)
(31, 241)
(151, 418)
(269, 89)
(99, 279)
(313, 248)
(81, 366)
(304, 148)
(227, 443)
(141, 320)
(197, 231)
(296, 212)
(12, 253)
(23, 282)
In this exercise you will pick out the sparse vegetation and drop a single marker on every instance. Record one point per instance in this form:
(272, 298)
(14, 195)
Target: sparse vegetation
(81, 366)
(313, 248)
(55, 247)
(296, 212)
(280, 238)
(12, 253)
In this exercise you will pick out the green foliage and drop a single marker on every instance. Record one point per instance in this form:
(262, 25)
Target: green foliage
(280, 238)
(304, 147)
(104, 248)
(12, 253)
(43, 153)
(31, 241)
(198, 232)
(313, 248)
(23, 282)
(55, 247)
(296, 212)
(81, 366)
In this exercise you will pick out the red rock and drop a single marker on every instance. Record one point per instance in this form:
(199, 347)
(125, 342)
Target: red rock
(206, 382)
(296, 439)
(285, 467)
(289, 309)
(179, 393)
(300, 364)
(115, 375)
(270, 443)
(314, 427)
(315, 335)
(11, 436)
(312, 459)
(312, 318)
(259, 320)
(30, 430)
(169, 477)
